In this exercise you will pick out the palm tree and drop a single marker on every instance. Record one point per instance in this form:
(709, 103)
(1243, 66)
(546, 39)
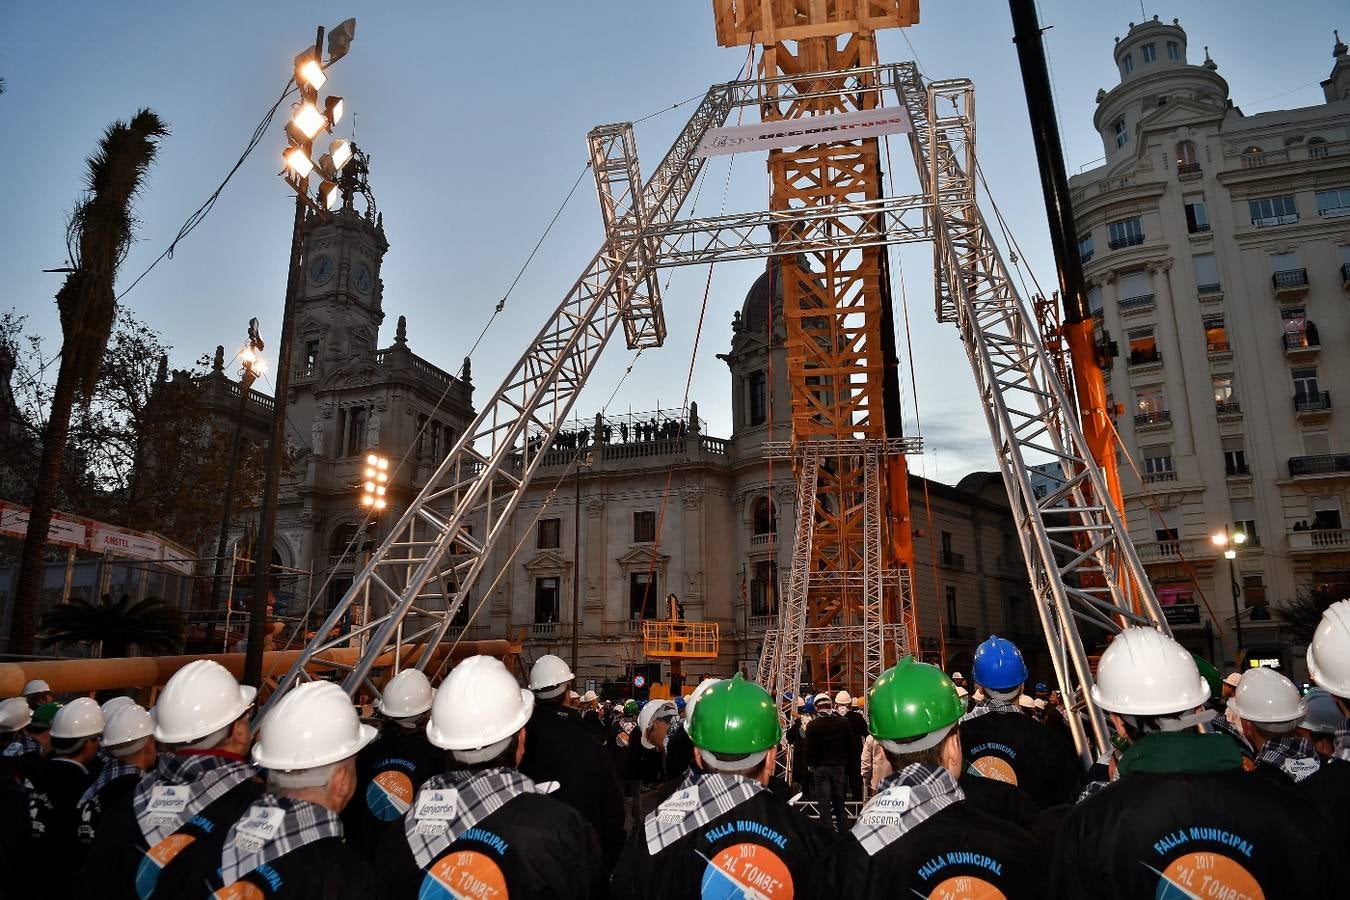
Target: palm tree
(148, 626)
(98, 238)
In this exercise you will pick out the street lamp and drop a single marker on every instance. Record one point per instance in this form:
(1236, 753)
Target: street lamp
(309, 120)
(252, 366)
(1229, 541)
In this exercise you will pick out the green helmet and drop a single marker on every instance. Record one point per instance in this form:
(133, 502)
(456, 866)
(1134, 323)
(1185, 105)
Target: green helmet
(43, 715)
(735, 718)
(1211, 676)
(912, 706)
(630, 708)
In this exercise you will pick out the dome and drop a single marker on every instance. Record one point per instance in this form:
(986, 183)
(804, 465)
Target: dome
(755, 309)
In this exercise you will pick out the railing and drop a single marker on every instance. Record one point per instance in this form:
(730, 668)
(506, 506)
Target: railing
(1161, 550)
(1200, 228)
(1333, 212)
(760, 540)
(1085, 255)
(1218, 347)
(763, 623)
(953, 560)
(1130, 240)
(1318, 539)
(1211, 288)
(262, 400)
(1315, 150)
(715, 446)
(1323, 464)
(1229, 408)
(1144, 357)
(1188, 168)
(1301, 340)
(543, 630)
(304, 373)
(1140, 302)
(1161, 417)
(1155, 477)
(643, 449)
(1288, 279)
(1318, 401)
(960, 632)
(1272, 221)
(1241, 471)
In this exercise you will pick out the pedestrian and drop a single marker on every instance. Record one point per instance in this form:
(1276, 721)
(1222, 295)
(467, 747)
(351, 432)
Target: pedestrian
(919, 835)
(1328, 659)
(391, 768)
(16, 830)
(129, 742)
(829, 753)
(559, 748)
(1269, 708)
(721, 834)
(592, 717)
(483, 828)
(875, 767)
(804, 713)
(288, 842)
(38, 692)
(35, 739)
(1183, 818)
(15, 717)
(959, 680)
(646, 762)
(54, 793)
(201, 782)
(1321, 722)
(1001, 741)
(843, 702)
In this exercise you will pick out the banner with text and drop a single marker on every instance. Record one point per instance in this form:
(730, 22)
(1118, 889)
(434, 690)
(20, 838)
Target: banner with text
(849, 126)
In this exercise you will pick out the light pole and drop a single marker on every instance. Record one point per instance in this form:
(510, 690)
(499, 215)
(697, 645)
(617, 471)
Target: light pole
(252, 366)
(582, 464)
(305, 125)
(1229, 541)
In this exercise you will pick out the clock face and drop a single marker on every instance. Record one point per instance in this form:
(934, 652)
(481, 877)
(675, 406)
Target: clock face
(321, 269)
(363, 279)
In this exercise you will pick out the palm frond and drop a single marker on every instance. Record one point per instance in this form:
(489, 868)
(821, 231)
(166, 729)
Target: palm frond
(120, 625)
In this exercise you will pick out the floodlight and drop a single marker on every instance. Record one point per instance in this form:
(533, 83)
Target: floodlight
(340, 40)
(367, 500)
(371, 459)
(333, 108)
(298, 162)
(379, 503)
(370, 486)
(369, 473)
(1230, 554)
(1240, 537)
(379, 490)
(329, 195)
(1220, 539)
(309, 120)
(308, 70)
(341, 152)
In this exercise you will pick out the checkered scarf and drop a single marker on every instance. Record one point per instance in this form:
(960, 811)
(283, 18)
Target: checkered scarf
(113, 770)
(1291, 754)
(21, 746)
(1342, 750)
(480, 795)
(992, 705)
(305, 823)
(208, 777)
(1221, 725)
(904, 800)
(700, 798)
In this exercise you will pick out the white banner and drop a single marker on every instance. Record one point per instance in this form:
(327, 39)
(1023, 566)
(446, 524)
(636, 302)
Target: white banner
(67, 532)
(849, 126)
(124, 543)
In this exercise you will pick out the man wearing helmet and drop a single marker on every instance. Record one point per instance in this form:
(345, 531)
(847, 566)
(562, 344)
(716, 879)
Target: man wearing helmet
(721, 834)
(1183, 818)
(55, 789)
(483, 824)
(128, 739)
(1269, 709)
(1328, 790)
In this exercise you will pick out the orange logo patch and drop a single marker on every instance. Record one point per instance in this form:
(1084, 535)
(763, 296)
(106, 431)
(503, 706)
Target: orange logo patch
(1207, 874)
(966, 887)
(747, 870)
(995, 768)
(464, 875)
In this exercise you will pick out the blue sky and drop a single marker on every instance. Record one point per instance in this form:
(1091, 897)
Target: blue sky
(476, 121)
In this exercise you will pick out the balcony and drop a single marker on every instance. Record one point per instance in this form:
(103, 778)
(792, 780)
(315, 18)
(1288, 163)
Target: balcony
(1290, 284)
(763, 623)
(953, 560)
(1301, 344)
(1220, 349)
(1199, 228)
(1319, 540)
(1312, 407)
(544, 631)
(1345, 275)
(1084, 256)
(1324, 464)
(762, 540)
(1209, 293)
(1272, 221)
(1130, 240)
(1159, 477)
(960, 632)
(1135, 305)
(1187, 171)
(1242, 471)
(1147, 419)
(1141, 361)
(1164, 551)
(1228, 409)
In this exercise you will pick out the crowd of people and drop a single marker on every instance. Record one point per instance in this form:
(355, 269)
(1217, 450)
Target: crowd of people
(627, 430)
(481, 787)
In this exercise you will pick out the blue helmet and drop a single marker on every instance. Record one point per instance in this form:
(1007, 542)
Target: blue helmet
(1041, 688)
(809, 705)
(999, 665)
(680, 703)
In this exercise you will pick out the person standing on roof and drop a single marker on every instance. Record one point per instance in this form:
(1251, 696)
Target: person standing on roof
(1269, 709)
(391, 768)
(830, 753)
(1001, 741)
(920, 835)
(129, 742)
(54, 793)
(1329, 665)
(1183, 819)
(483, 824)
(288, 842)
(559, 749)
(201, 782)
(721, 834)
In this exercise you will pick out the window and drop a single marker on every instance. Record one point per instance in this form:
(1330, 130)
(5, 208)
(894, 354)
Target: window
(421, 435)
(1269, 211)
(1197, 219)
(1297, 332)
(764, 589)
(1206, 273)
(1143, 347)
(545, 600)
(1317, 148)
(1121, 134)
(1254, 591)
(1224, 398)
(1306, 389)
(766, 517)
(1173, 50)
(311, 355)
(953, 620)
(1216, 334)
(1150, 53)
(644, 526)
(1244, 520)
(1333, 203)
(1186, 158)
(435, 431)
(1133, 286)
(1157, 460)
(758, 409)
(1326, 512)
(641, 595)
(356, 430)
(1125, 233)
(1085, 247)
(1234, 457)
(549, 535)
(1166, 523)
(1094, 299)
(1150, 405)
(1127, 63)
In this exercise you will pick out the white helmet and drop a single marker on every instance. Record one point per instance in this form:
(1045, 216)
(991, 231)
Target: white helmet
(1323, 716)
(1232, 679)
(406, 695)
(843, 698)
(478, 708)
(36, 686)
(549, 676)
(1329, 652)
(111, 706)
(823, 699)
(1144, 672)
(697, 692)
(1267, 698)
(958, 675)
(201, 698)
(653, 710)
(80, 718)
(313, 725)
(15, 714)
(590, 697)
(127, 729)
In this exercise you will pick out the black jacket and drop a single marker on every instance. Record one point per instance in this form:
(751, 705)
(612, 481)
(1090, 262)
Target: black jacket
(829, 742)
(532, 847)
(558, 747)
(53, 807)
(1001, 800)
(1328, 792)
(389, 771)
(112, 793)
(958, 852)
(1016, 748)
(323, 870)
(1192, 829)
(763, 838)
(16, 829)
